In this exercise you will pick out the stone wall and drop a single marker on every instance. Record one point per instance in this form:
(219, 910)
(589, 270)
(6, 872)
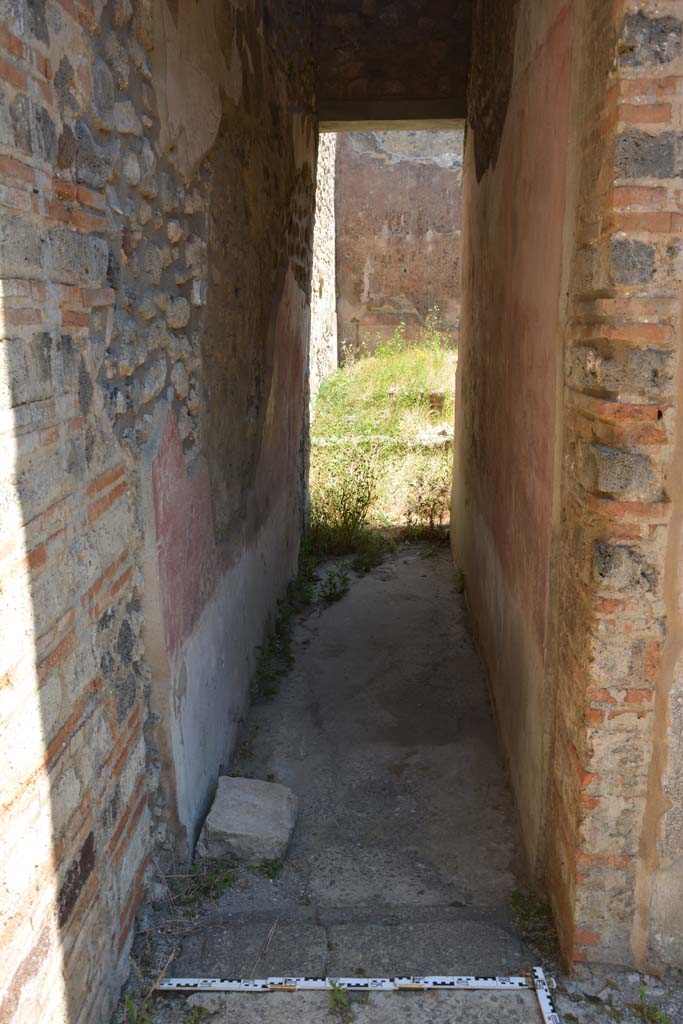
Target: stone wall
(157, 168)
(567, 501)
(398, 232)
(323, 347)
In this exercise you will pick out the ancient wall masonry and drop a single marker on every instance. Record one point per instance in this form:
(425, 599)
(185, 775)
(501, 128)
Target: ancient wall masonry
(576, 585)
(156, 213)
(159, 172)
(323, 356)
(398, 233)
(617, 787)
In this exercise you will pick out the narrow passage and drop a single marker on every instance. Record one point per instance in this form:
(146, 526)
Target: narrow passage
(404, 854)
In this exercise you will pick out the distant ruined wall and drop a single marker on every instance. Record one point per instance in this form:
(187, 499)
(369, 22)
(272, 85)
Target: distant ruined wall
(567, 500)
(323, 347)
(398, 232)
(157, 166)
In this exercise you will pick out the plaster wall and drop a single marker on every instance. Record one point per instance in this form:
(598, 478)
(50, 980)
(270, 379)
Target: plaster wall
(513, 215)
(568, 444)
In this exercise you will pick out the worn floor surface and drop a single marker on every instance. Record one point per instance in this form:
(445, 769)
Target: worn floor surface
(405, 853)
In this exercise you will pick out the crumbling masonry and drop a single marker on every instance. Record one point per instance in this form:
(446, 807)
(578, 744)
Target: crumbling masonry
(157, 189)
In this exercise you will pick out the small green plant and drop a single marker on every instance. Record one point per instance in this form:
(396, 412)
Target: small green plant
(270, 869)
(339, 999)
(344, 483)
(335, 584)
(647, 1012)
(429, 496)
(137, 1014)
(534, 919)
(197, 1014)
(202, 882)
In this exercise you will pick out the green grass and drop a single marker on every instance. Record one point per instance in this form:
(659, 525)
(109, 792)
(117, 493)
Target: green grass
(387, 393)
(371, 471)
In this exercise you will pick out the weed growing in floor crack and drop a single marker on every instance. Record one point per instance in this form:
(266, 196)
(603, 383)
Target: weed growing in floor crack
(335, 584)
(647, 1012)
(534, 919)
(274, 656)
(339, 1000)
(270, 869)
(202, 882)
(136, 1014)
(197, 1014)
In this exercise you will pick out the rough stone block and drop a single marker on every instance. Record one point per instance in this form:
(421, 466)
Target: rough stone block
(632, 261)
(622, 370)
(623, 567)
(620, 472)
(94, 162)
(250, 820)
(640, 155)
(70, 257)
(650, 40)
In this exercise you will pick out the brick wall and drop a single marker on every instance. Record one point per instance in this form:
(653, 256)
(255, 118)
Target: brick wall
(617, 849)
(137, 571)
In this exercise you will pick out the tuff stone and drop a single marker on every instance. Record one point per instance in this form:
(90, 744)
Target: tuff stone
(632, 261)
(95, 161)
(249, 819)
(618, 472)
(70, 257)
(126, 120)
(151, 379)
(174, 231)
(177, 313)
(142, 23)
(623, 371)
(103, 96)
(123, 12)
(148, 182)
(623, 567)
(180, 380)
(641, 155)
(118, 61)
(650, 40)
(153, 263)
(131, 170)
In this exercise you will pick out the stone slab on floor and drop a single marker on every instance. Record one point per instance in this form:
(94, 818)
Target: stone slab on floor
(419, 948)
(258, 948)
(249, 819)
(380, 1008)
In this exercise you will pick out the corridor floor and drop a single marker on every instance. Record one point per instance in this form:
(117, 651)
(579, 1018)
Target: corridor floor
(404, 855)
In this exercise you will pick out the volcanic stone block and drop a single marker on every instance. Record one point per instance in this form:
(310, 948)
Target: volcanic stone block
(250, 820)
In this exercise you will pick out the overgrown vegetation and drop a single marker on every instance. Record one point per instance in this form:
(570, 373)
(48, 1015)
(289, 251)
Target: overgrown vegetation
(649, 1012)
(202, 881)
(381, 446)
(534, 919)
(390, 386)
